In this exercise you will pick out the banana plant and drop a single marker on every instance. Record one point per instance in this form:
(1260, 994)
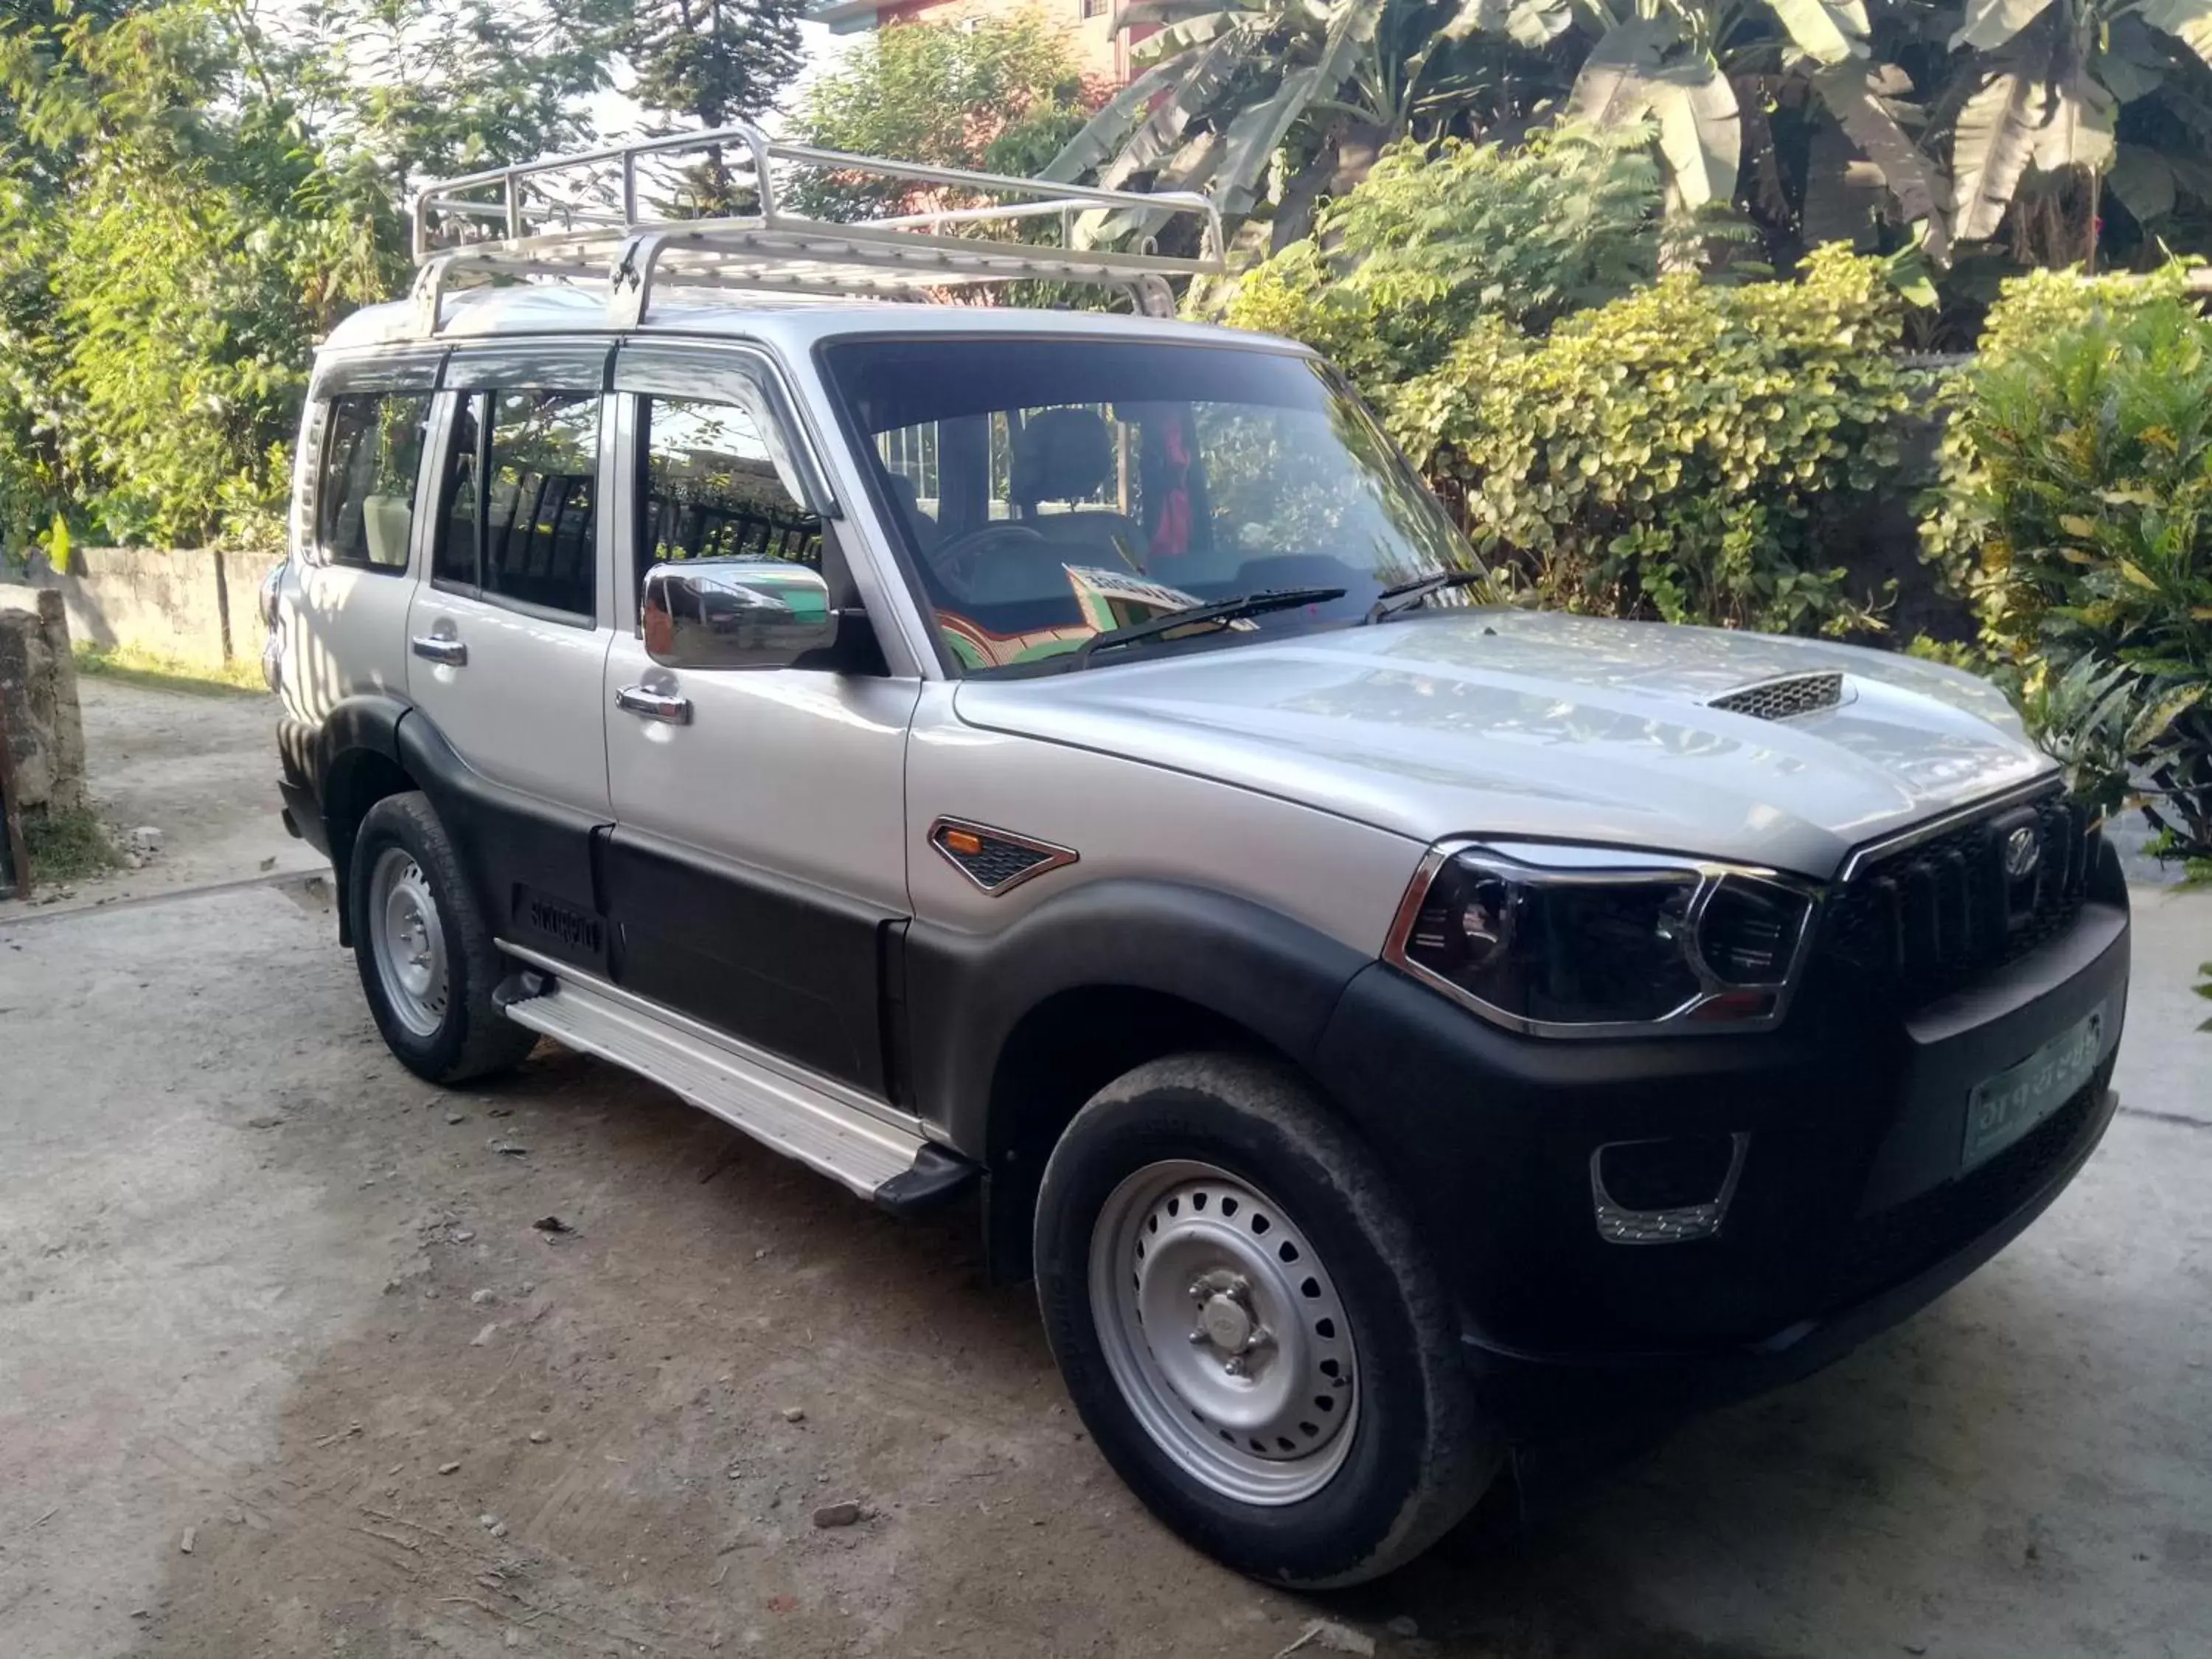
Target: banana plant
(2047, 82)
(1222, 85)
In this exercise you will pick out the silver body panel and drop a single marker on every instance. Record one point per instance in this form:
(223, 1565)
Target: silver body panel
(1529, 725)
(1127, 819)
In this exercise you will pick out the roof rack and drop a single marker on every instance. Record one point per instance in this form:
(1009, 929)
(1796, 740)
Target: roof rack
(577, 217)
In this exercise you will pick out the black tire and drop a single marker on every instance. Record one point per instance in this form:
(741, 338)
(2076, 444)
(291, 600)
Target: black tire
(472, 1037)
(1420, 1454)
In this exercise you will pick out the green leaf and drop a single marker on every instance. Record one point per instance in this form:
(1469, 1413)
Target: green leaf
(1612, 89)
(1626, 79)
(2144, 180)
(1995, 139)
(1851, 94)
(1831, 31)
(1203, 80)
(1253, 137)
(2189, 22)
(1103, 133)
(1700, 130)
(1990, 23)
(1531, 23)
(2134, 62)
(2151, 724)
(1180, 37)
(2078, 132)
(1138, 13)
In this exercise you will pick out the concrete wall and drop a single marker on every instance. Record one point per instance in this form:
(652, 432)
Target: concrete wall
(38, 700)
(195, 605)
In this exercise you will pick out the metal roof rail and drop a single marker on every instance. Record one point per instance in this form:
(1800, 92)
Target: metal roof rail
(577, 217)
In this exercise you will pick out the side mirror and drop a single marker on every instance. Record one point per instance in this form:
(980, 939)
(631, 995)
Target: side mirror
(735, 613)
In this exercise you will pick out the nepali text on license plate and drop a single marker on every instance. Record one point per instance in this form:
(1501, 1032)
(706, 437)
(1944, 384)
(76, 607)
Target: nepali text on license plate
(2003, 1109)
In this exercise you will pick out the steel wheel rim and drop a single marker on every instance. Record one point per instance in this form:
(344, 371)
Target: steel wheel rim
(1225, 1332)
(407, 941)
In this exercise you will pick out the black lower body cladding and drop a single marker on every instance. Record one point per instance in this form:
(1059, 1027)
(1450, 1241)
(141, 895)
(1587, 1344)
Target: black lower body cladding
(1859, 1196)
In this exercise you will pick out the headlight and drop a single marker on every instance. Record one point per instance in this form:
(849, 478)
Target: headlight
(1571, 941)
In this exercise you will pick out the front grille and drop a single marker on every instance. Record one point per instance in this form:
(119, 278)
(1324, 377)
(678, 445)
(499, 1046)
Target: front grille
(1785, 698)
(1888, 1247)
(1935, 916)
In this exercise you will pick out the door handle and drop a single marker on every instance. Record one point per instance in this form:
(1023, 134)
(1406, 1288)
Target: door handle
(654, 705)
(439, 648)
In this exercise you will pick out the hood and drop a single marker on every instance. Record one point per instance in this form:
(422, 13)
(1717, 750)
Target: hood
(1523, 724)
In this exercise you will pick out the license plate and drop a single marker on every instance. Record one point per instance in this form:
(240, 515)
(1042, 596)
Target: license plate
(2003, 1109)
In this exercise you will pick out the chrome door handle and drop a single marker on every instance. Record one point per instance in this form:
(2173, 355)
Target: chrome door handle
(438, 648)
(654, 705)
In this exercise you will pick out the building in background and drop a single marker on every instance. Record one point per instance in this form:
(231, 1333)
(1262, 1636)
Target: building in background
(1089, 24)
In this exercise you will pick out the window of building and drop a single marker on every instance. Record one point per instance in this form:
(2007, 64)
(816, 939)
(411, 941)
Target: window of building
(522, 518)
(711, 489)
(365, 495)
(1094, 7)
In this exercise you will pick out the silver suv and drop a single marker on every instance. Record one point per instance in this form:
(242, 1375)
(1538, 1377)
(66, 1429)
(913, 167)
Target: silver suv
(1065, 759)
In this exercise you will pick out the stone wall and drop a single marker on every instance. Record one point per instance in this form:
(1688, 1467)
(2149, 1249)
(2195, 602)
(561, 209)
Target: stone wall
(38, 700)
(197, 605)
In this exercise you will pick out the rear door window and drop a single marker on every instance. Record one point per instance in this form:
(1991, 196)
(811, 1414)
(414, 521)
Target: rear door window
(365, 494)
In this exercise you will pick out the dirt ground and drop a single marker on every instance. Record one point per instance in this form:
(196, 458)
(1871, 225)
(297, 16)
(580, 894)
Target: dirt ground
(288, 1367)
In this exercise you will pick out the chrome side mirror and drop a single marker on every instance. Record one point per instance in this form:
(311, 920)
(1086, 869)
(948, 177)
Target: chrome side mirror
(735, 613)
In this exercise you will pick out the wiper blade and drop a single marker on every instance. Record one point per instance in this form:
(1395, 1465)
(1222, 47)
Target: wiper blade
(1406, 595)
(1219, 611)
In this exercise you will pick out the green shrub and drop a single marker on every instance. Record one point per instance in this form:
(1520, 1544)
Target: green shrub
(1435, 241)
(1692, 452)
(2077, 510)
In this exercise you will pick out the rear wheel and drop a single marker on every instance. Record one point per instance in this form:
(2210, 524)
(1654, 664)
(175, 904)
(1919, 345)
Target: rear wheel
(1247, 1326)
(427, 961)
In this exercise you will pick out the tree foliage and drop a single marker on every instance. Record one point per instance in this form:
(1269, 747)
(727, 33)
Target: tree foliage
(2077, 511)
(999, 96)
(1690, 452)
(1433, 242)
(1956, 123)
(191, 195)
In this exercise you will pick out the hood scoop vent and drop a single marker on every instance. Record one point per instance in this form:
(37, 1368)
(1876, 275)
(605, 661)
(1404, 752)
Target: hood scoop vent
(1785, 698)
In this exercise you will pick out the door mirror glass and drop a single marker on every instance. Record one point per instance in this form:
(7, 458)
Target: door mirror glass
(735, 613)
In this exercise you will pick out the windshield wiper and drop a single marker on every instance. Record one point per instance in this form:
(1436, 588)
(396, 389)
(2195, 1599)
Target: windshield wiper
(1406, 595)
(1219, 611)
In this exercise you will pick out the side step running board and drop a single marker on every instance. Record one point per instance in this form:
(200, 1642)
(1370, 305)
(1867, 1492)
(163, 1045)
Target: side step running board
(867, 1150)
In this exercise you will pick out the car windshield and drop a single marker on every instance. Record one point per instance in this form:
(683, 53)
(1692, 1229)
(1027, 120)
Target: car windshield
(1050, 490)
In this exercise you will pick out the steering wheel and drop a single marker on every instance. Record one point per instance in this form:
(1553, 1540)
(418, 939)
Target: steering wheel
(960, 560)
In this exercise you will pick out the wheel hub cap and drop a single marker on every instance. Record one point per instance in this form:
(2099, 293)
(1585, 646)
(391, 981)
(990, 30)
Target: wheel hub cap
(1224, 1329)
(407, 941)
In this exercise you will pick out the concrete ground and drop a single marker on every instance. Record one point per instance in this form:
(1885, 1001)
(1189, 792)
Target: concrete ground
(285, 1367)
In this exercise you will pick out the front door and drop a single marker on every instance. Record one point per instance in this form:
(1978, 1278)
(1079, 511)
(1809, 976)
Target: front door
(758, 854)
(507, 636)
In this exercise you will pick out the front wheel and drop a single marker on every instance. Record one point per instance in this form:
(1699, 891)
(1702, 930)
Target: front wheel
(1249, 1327)
(427, 963)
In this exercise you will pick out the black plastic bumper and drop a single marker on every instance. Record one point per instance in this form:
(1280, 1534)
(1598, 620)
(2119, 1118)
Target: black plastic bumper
(1853, 1206)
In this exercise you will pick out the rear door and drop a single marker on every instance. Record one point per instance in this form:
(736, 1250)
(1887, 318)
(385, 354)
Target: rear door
(509, 633)
(363, 446)
(758, 861)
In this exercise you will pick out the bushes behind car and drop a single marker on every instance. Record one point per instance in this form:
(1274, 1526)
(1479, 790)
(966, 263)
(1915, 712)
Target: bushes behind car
(2077, 510)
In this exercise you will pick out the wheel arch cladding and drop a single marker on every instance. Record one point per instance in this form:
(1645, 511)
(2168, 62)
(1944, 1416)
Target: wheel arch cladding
(1011, 1034)
(356, 764)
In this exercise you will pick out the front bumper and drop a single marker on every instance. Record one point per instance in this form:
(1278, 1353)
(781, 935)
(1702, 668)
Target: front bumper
(1851, 1209)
